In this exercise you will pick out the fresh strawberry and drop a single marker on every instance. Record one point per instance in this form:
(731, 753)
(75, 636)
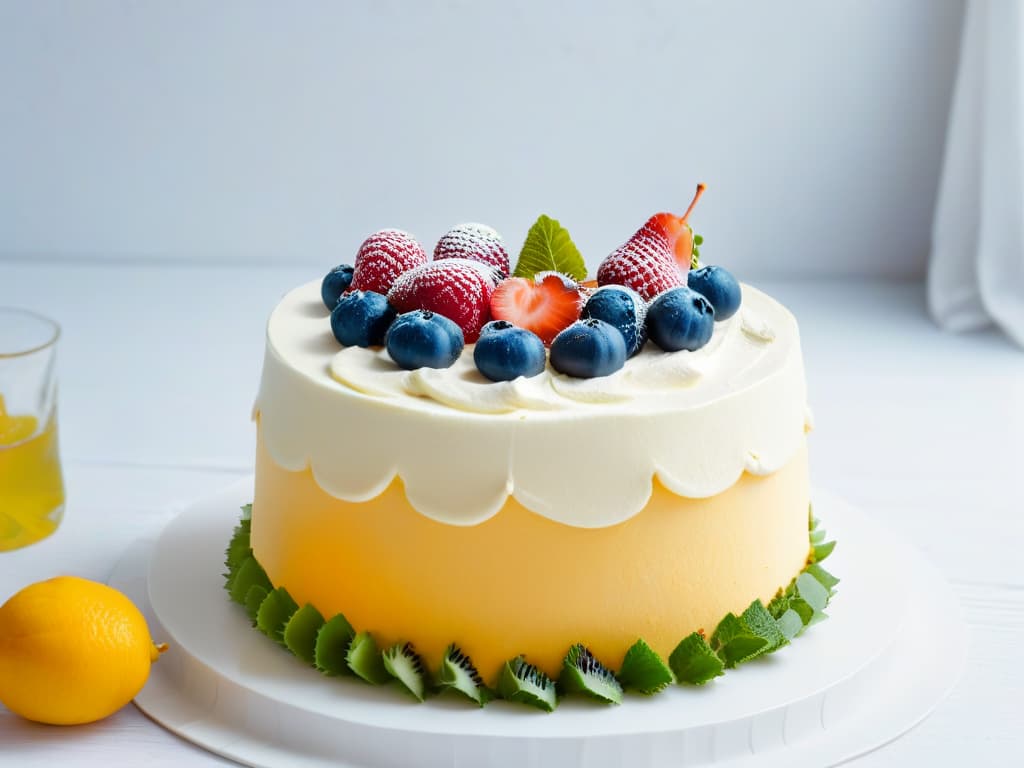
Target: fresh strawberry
(384, 256)
(547, 304)
(476, 242)
(459, 289)
(654, 259)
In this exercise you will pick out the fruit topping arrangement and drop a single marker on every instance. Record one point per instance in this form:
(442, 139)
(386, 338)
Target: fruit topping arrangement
(544, 311)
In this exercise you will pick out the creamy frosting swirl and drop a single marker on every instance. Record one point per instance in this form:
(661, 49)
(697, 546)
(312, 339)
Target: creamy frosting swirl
(579, 451)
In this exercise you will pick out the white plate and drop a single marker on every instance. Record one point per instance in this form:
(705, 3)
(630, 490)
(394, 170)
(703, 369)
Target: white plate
(893, 647)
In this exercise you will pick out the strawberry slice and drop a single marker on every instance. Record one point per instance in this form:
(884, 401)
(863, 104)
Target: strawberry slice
(545, 305)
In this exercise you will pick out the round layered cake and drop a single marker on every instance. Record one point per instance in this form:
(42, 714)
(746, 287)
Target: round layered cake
(435, 506)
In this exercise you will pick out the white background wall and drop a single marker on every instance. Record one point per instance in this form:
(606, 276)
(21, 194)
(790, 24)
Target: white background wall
(274, 132)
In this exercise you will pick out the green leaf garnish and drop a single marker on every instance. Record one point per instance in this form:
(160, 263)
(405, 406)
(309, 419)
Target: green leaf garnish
(237, 551)
(826, 579)
(249, 573)
(790, 624)
(582, 673)
(644, 670)
(523, 682)
(762, 624)
(274, 612)
(694, 662)
(820, 551)
(300, 633)
(404, 664)
(253, 599)
(335, 648)
(698, 241)
(364, 659)
(548, 247)
(246, 512)
(735, 642)
(811, 590)
(458, 673)
(331, 650)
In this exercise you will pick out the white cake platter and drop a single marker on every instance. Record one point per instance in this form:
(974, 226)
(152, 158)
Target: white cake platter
(894, 645)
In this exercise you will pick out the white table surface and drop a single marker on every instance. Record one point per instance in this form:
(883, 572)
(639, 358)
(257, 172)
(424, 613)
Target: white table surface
(159, 366)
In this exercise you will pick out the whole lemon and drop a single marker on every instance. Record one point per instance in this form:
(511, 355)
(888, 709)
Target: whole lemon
(72, 651)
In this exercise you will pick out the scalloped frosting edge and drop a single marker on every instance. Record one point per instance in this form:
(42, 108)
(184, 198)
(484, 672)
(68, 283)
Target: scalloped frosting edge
(335, 648)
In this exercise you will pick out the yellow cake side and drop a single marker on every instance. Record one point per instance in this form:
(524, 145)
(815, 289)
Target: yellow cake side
(521, 583)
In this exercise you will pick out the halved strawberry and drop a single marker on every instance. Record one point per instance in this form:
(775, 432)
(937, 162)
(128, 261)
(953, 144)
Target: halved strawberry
(547, 304)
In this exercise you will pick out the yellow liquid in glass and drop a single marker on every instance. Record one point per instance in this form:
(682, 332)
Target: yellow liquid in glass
(31, 485)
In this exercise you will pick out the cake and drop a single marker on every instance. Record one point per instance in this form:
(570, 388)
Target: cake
(439, 502)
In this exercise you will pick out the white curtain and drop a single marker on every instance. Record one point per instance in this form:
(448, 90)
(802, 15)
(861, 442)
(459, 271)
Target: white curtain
(976, 272)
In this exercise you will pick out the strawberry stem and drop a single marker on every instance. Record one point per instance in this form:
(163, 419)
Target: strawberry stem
(700, 191)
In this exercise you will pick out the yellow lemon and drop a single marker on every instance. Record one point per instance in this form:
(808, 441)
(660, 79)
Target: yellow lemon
(72, 651)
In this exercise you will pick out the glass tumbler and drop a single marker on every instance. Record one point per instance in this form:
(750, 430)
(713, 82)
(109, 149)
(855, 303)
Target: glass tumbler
(31, 482)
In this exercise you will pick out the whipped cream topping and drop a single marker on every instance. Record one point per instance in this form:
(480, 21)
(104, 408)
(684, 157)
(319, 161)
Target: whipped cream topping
(582, 452)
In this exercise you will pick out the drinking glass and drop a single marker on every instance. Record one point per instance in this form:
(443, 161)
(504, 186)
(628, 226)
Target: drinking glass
(31, 482)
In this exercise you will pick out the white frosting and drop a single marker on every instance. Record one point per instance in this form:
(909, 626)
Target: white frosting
(579, 451)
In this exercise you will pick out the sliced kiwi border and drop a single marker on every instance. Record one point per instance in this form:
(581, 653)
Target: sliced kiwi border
(697, 659)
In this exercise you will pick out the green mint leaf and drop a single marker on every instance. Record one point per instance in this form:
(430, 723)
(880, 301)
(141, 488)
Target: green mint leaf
(802, 608)
(548, 247)
(790, 624)
(820, 551)
(332, 642)
(643, 670)
(818, 535)
(300, 633)
(811, 590)
(826, 579)
(523, 682)
(735, 642)
(247, 512)
(694, 662)
(582, 673)
(762, 624)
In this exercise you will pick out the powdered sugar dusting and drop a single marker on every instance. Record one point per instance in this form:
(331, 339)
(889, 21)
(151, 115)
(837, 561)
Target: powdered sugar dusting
(645, 264)
(477, 242)
(384, 256)
(459, 289)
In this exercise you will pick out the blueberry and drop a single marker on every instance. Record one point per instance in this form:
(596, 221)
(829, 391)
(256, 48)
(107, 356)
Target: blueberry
(622, 308)
(680, 318)
(361, 318)
(424, 339)
(335, 283)
(505, 352)
(588, 348)
(717, 285)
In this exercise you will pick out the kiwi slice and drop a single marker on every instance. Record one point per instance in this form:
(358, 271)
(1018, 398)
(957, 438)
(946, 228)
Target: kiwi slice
(644, 670)
(694, 661)
(523, 682)
(459, 674)
(331, 648)
(274, 612)
(404, 664)
(253, 599)
(582, 673)
(236, 553)
(364, 659)
(300, 632)
(249, 573)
